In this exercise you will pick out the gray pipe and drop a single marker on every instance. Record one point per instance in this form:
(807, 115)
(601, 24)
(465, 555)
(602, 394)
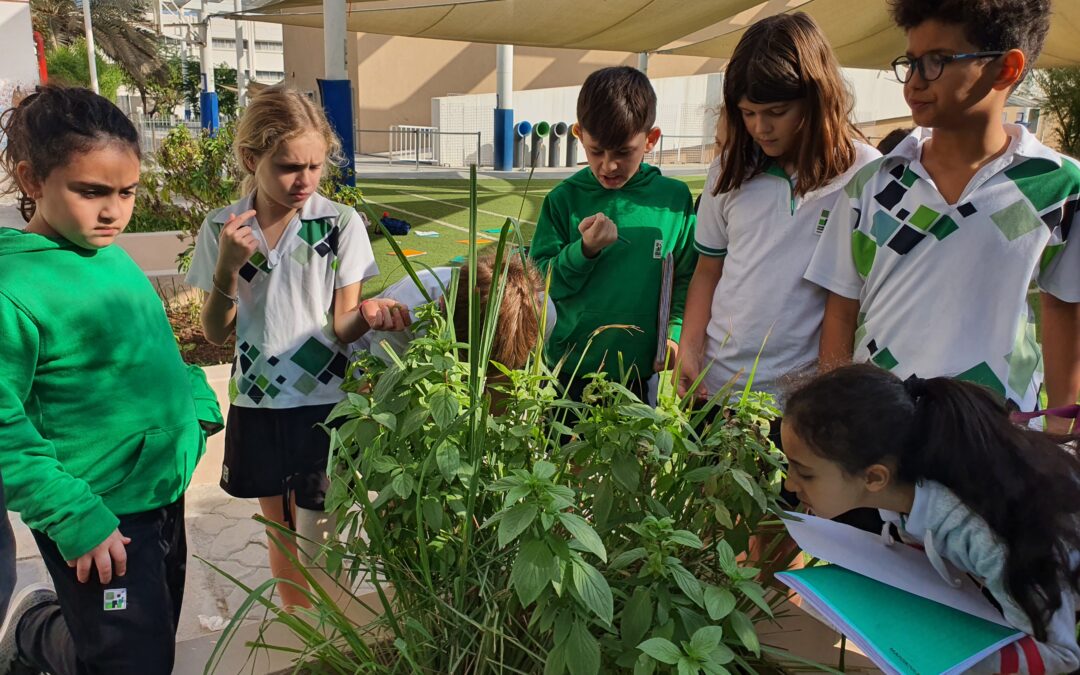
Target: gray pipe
(558, 131)
(521, 131)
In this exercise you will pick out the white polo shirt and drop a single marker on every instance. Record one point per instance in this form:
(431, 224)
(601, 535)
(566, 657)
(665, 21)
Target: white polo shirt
(287, 354)
(943, 287)
(405, 292)
(766, 235)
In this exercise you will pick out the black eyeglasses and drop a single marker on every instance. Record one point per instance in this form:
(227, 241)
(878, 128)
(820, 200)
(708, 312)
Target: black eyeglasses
(932, 65)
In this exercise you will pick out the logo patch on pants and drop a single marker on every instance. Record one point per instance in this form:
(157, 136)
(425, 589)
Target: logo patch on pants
(115, 599)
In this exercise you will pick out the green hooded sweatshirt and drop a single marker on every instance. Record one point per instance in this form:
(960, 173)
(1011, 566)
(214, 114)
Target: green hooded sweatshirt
(621, 285)
(99, 416)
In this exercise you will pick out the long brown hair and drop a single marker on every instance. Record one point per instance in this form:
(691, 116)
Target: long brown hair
(787, 58)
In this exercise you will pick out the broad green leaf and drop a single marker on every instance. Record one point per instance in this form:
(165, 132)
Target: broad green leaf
(449, 460)
(626, 558)
(714, 667)
(688, 667)
(580, 529)
(593, 589)
(754, 592)
(386, 384)
(689, 585)
(744, 630)
(544, 470)
(444, 406)
(723, 515)
(705, 639)
(636, 617)
(383, 465)
(718, 602)
(722, 654)
(686, 538)
(582, 651)
(645, 665)
(662, 650)
(433, 513)
(602, 503)
(744, 480)
(556, 659)
(532, 571)
(402, 484)
(516, 520)
(664, 441)
(386, 419)
(626, 471)
(726, 557)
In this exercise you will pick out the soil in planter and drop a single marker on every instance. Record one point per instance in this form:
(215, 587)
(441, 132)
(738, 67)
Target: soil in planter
(194, 346)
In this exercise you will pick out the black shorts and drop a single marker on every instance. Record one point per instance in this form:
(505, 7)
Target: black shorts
(269, 453)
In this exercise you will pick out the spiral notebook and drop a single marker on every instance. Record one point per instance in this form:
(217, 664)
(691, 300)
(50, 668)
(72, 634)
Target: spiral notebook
(892, 604)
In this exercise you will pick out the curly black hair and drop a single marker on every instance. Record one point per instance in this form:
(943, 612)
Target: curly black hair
(990, 25)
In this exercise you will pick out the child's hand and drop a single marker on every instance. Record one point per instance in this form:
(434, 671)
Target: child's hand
(687, 369)
(385, 314)
(670, 358)
(106, 556)
(237, 242)
(597, 233)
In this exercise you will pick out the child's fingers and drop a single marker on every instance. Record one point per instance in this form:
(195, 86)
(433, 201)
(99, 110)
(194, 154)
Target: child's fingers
(587, 223)
(119, 558)
(238, 220)
(82, 568)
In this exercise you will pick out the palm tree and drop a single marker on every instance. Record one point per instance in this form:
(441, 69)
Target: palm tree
(121, 31)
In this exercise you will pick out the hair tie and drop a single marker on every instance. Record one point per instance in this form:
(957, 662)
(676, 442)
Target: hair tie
(915, 386)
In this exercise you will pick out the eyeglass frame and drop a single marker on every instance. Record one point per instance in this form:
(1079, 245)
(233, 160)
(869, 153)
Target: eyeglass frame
(917, 63)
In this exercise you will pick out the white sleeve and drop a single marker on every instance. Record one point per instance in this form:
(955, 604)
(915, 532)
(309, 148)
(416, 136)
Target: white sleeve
(710, 235)
(981, 553)
(356, 260)
(835, 265)
(204, 260)
(1059, 271)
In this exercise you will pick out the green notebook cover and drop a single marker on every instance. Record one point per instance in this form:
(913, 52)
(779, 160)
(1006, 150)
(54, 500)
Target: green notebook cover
(899, 631)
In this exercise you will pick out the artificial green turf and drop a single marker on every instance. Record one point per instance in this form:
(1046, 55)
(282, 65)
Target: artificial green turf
(441, 205)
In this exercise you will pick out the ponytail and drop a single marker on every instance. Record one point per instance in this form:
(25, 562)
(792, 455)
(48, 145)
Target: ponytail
(1025, 484)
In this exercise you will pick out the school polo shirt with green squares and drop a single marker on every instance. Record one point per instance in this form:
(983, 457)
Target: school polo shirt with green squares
(287, 354)
(943, 289)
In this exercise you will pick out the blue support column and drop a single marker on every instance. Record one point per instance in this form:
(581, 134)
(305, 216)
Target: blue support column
(337, 102)
(208, 111)
(504, 139)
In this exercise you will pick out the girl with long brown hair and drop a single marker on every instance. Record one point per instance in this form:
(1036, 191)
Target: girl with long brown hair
(790, 146)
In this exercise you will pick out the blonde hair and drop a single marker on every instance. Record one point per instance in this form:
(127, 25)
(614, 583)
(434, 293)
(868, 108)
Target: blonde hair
(275, 115)
(518, 324)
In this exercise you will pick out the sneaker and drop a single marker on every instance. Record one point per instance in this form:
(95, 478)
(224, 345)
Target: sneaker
(25, 600)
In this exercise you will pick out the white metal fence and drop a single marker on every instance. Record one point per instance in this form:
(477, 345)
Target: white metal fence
(419, 146)
(153, 130)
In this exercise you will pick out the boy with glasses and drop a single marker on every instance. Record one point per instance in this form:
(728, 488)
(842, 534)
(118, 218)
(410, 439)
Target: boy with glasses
(929, 255)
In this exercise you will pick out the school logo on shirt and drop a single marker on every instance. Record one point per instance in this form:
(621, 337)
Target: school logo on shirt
(821, 221)
(115, 599)
(658, 249)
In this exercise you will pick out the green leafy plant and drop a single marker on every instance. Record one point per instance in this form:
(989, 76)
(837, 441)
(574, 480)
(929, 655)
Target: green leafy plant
(1061, 102)
(513, 530)
(68, 65)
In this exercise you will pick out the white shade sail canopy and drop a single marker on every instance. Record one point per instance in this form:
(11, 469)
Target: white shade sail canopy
(860, 31)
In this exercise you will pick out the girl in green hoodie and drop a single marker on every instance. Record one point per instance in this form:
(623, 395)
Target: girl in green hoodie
(100, 420)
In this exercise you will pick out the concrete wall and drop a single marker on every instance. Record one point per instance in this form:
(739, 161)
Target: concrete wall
(396, 78)
(18, 68)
